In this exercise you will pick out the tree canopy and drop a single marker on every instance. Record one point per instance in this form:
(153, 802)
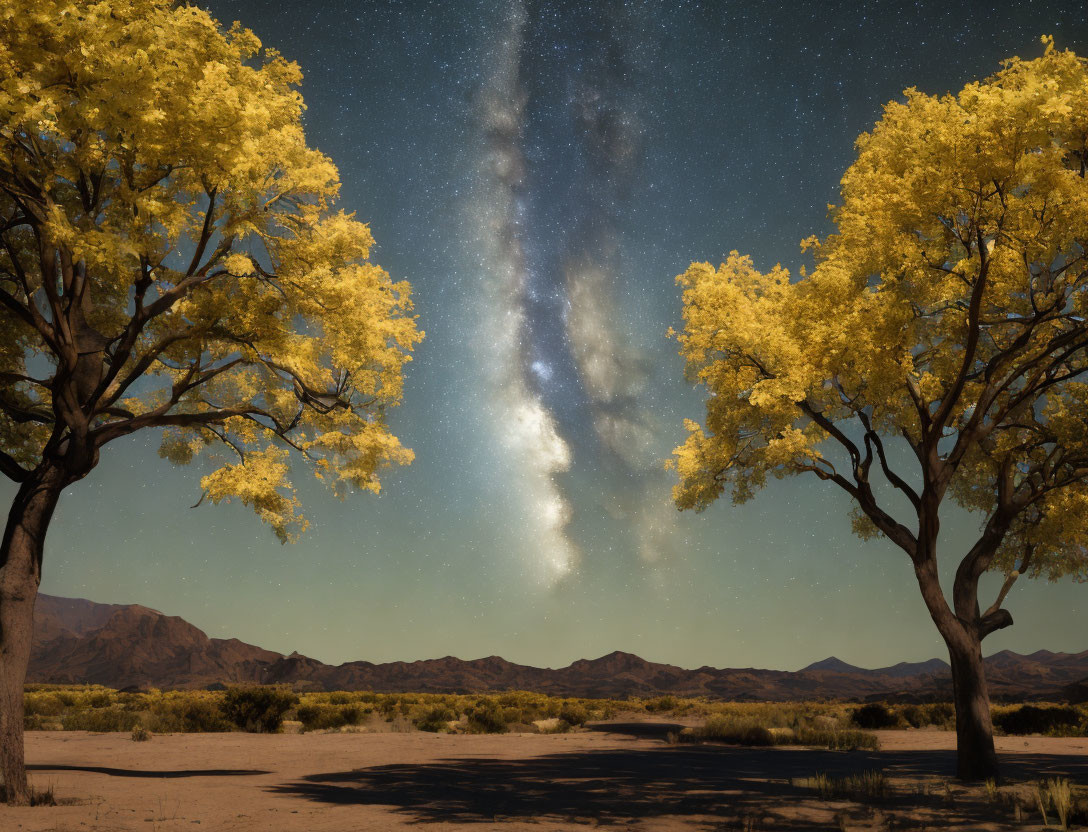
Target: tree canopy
(947, 312)
(171, 259)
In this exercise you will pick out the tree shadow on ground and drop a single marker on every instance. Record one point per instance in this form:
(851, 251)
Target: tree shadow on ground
(616, 786)
(134, 772)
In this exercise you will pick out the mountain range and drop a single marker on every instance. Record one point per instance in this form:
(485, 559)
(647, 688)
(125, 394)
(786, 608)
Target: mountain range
(131, 646)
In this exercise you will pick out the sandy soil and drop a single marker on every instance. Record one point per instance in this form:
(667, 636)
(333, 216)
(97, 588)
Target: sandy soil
(627, 777)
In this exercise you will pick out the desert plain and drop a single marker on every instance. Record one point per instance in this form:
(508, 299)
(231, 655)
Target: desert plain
(616, 775)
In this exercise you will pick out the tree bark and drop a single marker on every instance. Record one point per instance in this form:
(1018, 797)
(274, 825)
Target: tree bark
(976, 758)
(20, 574)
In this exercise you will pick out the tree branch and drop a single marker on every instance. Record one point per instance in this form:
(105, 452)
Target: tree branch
(893, 478)
(940, 418)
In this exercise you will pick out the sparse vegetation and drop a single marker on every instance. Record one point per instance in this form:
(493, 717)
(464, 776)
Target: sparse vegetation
(1029, 803)
(749, 731)
(38, 797)
(832, 725)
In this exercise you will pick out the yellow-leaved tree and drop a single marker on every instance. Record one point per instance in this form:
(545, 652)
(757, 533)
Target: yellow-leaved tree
(936, 353)
(170, 259)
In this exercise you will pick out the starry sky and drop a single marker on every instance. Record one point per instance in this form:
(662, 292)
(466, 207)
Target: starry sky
(540, 171)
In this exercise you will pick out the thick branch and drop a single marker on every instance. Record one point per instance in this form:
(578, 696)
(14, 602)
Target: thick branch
(994, 621)
(160, 417)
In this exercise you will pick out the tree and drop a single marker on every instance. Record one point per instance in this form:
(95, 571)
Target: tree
(934, 354)
(171, 259)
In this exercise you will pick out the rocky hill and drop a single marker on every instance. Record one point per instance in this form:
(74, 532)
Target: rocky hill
(78, 641)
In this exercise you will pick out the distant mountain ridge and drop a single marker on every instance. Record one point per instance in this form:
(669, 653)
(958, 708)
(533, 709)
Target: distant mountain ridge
(120, 646)
(898, 671)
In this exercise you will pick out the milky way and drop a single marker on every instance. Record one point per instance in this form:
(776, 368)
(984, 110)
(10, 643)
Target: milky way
(560, 116)
(525, 426)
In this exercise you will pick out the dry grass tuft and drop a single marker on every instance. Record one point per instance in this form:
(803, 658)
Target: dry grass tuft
(868, 785)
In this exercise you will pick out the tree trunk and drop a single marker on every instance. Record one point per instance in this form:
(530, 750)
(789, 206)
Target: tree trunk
(976, 758)
(20, 574)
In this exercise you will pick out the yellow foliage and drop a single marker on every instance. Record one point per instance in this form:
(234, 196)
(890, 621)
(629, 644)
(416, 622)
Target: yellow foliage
(206, 285)
(948, 310)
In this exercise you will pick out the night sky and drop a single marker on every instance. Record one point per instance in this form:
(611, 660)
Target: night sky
(540, 172)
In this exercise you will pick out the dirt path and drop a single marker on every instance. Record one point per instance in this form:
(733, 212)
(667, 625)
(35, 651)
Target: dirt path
(627, 778)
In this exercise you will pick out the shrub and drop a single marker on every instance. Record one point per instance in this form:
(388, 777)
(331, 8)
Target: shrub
(734, 730)
(318, 717)
(660, 705)
(101, 719)
(485, 718)
(140, 734)
(874, 716)
(939, 714)
(322, 717)
(837, 740)
(1030, 719)
(551, 725)
(573, 713)
(187, 713)
(97, 699)
(42, 704)
(435, 719)
(258, 709)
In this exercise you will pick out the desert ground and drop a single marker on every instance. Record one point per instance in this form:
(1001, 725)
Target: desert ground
(623, 776)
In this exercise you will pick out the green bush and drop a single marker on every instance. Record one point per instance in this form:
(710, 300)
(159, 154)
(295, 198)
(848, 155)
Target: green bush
(258, 709)
(874, 716)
